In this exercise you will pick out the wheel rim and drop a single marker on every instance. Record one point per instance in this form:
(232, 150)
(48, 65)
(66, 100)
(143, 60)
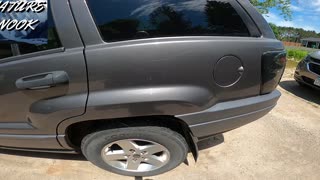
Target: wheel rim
(135, 155)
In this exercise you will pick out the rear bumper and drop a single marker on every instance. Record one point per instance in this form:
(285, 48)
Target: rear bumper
(230, 115)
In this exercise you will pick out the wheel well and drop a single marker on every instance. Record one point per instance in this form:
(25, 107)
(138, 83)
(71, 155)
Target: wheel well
(76, 132)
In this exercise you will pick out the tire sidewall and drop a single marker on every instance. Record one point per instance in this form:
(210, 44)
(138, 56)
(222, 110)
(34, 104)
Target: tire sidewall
(93, 144)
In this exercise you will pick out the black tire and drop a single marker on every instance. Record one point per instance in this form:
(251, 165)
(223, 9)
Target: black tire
(93, 144)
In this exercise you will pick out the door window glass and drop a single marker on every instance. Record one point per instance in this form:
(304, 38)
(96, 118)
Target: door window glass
(5, 51)
(53, 39)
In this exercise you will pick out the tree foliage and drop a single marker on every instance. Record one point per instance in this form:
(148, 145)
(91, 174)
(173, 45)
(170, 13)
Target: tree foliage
(167, 20)
(292, 34)
(283, 33)
(276, 30)
(283, 6)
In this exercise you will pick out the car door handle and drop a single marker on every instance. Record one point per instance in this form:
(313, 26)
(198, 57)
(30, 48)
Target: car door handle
(43, 80)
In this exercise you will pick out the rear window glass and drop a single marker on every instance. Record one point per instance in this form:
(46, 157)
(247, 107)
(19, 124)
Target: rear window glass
(120, 20)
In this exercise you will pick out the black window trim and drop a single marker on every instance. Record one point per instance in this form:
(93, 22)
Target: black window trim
(250, 24)
(247, 20)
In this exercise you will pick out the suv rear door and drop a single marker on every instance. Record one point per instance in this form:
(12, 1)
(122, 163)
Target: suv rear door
(30, 109)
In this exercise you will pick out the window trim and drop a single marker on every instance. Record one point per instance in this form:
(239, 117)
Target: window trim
(15, 49)
(88, 31)
(247, 20)
(33, 55)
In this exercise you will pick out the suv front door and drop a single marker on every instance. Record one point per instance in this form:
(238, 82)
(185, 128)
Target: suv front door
(42, 86)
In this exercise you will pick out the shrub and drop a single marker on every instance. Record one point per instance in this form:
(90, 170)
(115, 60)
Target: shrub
(296, 54)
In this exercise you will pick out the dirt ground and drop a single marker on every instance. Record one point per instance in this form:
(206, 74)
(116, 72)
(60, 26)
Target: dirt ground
(285, 144)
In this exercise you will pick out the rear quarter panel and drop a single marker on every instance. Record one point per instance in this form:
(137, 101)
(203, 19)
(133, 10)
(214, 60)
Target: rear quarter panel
(166, 76)
(169, 76)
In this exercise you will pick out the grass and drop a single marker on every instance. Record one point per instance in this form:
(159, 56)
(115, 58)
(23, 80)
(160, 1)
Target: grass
(309, 50)
(298, 53)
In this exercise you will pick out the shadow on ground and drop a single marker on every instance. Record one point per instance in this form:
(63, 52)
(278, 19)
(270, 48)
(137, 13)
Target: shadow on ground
(304, 92)
(73, 157)
(210, 142)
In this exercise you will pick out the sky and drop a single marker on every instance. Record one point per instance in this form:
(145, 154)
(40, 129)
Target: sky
(305, 14)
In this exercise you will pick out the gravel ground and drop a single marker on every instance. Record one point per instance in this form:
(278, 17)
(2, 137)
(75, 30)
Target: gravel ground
(285, 144)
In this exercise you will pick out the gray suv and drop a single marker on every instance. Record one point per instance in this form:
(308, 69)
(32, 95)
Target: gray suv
(135, 84)
(308, 71)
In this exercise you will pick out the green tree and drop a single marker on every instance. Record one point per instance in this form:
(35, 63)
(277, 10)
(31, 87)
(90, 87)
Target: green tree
(263, 6)
(276, 30)
(292, 34)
